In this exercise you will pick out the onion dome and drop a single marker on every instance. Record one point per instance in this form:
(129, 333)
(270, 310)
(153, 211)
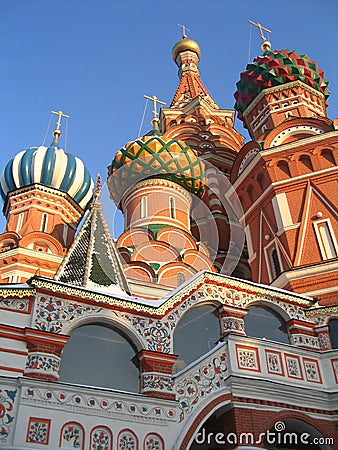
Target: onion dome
(185, 44)
(274, 69)
(155, 156)
(51, 167)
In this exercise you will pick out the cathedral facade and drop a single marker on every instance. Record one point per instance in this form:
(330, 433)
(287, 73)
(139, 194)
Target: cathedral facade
(211, 322)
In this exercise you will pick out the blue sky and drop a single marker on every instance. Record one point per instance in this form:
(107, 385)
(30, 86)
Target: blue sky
(95, 59)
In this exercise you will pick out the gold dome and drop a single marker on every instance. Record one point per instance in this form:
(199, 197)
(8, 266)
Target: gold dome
(185, 44)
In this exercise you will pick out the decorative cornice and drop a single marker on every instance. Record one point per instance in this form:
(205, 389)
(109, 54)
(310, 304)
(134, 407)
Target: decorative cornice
(283, 87)
(160, 308)
(17, 292)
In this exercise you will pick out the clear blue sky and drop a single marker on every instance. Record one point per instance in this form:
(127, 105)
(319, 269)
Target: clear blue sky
(94, 59)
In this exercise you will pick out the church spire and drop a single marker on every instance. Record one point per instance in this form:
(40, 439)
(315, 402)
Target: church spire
(186, 53)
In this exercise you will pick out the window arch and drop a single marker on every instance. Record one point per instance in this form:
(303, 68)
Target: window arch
(263, 322)
(172, 208)
(180, 278)
(44, 220)
(284, 169)
(328, 156)
(333, 330)
(197, 332)
(275, 265)
(306, 163)
(250, 192)
(90, 357)
(144, 207)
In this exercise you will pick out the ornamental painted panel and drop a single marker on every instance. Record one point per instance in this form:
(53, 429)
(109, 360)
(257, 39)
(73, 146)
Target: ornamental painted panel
(127, 441)
(72, 435)
(7, 400)
(334, 363)
(293, 368)
(274, 362)
(153, 442)
(312, 371)
(38, 431)
(101, 439)
(247, 358)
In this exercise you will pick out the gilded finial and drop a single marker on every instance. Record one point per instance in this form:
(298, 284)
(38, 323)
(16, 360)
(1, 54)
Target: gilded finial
(155, 119)
(266, 45)
(184, 29)
(98, 187)
(57, 131)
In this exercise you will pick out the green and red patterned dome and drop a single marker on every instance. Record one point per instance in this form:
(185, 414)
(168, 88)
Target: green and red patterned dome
(155, 156)
(274, 69)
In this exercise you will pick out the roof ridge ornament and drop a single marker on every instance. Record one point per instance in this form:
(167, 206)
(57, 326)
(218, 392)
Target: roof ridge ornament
(57, 131)
(266, 45)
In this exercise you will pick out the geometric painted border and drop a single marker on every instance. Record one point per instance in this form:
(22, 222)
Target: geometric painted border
(293, 368)
(38, 430)
(274, 362)
(312, 371)
(247, 358)
(334, 363)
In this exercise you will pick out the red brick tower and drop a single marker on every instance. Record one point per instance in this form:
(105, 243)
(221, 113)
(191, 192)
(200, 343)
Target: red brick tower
(194, 117)
(286, 176)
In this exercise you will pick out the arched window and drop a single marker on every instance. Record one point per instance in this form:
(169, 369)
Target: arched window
(283, 167)
(96, 355)
(250, 191)
(328, 155)
(333, 329)
(180, 278)
(19, 222)
(275, 266)
(144, 208)
(65, 234)
(172, 207)
(261, 181)
(44, 219)
(263, 322)
(196, 333)
(305, 163)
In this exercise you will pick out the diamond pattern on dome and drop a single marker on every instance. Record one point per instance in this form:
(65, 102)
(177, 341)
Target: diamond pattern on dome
(277, 68)
(155, 156)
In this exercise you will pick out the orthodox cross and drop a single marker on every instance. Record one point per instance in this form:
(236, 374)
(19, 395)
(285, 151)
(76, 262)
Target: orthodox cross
(184, 29)
(60, 114)
(261, 28)
(155, 100)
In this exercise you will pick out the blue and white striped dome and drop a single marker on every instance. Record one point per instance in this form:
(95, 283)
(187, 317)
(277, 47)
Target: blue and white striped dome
(49, 166)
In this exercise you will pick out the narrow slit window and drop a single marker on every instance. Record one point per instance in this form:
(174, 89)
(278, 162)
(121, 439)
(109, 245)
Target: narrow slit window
(144, 207)
(172, 207)
(276, 269)
(44, 222)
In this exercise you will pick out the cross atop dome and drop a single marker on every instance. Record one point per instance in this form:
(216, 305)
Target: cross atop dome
(266, 45)
(57, 131)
